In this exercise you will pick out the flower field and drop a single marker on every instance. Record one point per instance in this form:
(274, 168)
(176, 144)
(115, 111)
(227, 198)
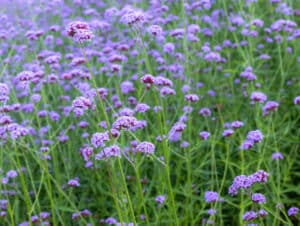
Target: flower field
(159, 112)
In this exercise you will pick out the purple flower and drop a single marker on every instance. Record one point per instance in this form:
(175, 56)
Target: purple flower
(258, 198)
(142, 108)
(252, 138)
(205, 112)
(247, 144)
(148, 79)
(184, 144)
(175, 136)
(177, 33)
(211, 196)
(4, 90)
(3, 214)
(249, 216)
(98, 139)
(115, 133)
(264, 57)
(255, 136)
(44, 215)
(82, 103)
(177, 127)
(73, 27)
(191, 97)
(211, 211)
(42, 113)
(125, 224)
(146, 148)
(257, 22)
(270, 106)
(23, 79)
(127, 87)
(162, 81)
(277, 156)
(5, 120)
(204, 135)
(11, 174)
(74, 182)
(248, 74)
(202, 4)
(187, 109)
(5, 180)
(227, 132)
(83, 124)
(86, 152)
(155, 30)
(213, 57)
(126, 112)
(111, 221)
(237, 124)
(262, 213)
(53, 59)
(3, 204)
(293, 211)
(34, 219)
(167, 91)
(75, 216)
(140, 125)
(133, 17)
(193, 28)
(192, 38)
(297, 100)
(112, 151)
(125, 123)
(169, 48)
(185, 88)
(258, 97)
(260, 176)
(245, 182)
(77, 61)
(85, 213)
(160, 199)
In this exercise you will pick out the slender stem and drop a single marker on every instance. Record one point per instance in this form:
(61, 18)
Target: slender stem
(140, 193)
(126, 191)
(24, 187)
(49, 190)
(114, 193)
(11, 214)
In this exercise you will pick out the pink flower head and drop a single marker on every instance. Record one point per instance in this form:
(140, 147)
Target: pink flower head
(80, 31)
(73, 27)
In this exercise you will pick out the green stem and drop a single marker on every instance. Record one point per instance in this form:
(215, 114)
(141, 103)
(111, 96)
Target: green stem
(24, 187)
(140, 193)
(126, 191)
(49, 189)
(114, 193)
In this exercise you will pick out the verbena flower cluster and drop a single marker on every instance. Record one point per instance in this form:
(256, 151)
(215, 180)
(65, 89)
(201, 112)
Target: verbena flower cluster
(252, 138)
(80, 31)
(246, 182)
